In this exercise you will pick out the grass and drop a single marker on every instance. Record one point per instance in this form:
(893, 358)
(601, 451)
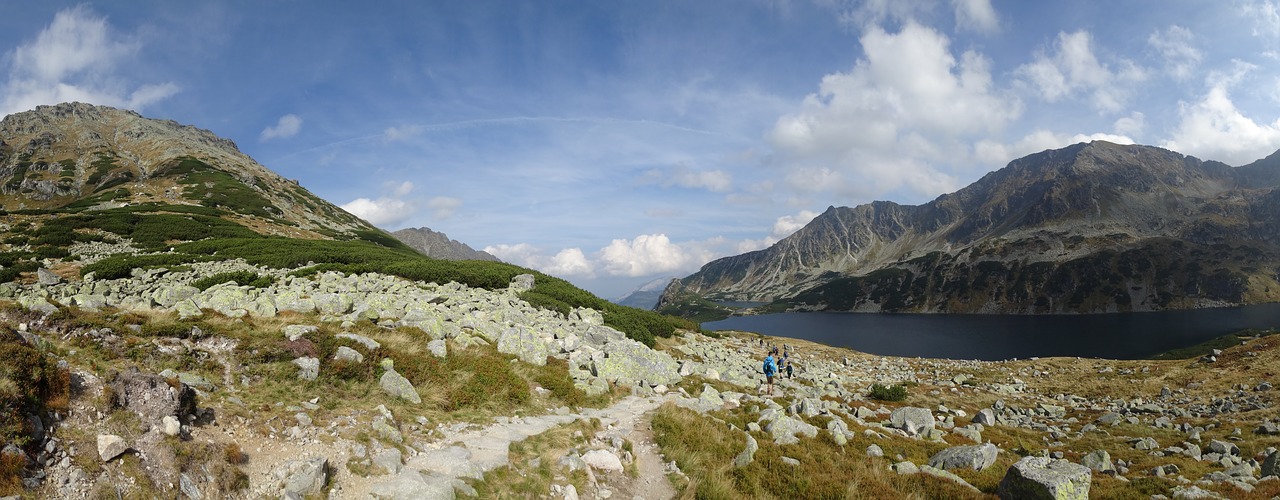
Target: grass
(534, 463)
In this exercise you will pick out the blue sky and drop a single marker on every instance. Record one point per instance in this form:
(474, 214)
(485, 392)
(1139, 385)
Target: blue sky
(611, 143)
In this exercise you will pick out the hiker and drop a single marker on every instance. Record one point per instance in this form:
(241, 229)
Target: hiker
(788, 369)
(770, 369)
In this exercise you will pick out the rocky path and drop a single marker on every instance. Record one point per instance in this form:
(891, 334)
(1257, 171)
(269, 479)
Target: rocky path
(437, 471)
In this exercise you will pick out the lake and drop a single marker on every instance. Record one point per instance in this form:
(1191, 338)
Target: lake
(995, 337)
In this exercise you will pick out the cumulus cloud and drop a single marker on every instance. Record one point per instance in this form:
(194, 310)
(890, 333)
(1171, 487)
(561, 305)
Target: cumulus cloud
(77, 57)
(646, 254)
(1175, 45)
(904, 108)
(1072, 68)
(976, 15)
(1213, 128)
(287, 126)
(1265, 15)
(387, 211)
(569, 262)
(788, 224)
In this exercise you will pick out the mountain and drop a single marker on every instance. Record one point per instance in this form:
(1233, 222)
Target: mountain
(76, 156)
(1091, 227)
(645, 296)
(436, 245)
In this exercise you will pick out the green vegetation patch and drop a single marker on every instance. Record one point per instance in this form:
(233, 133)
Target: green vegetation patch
(30, 383)
(215, 188)
(240, 278)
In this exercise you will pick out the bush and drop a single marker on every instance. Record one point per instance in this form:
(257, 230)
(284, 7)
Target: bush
(240, 278)
(896, 392)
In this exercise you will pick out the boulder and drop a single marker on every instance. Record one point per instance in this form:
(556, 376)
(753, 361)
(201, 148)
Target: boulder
(152, 397)
(308, 368)
(525, 344)
(332, 303)
(1099, 460)
(111, 446)
(628, 362)
(361, 339)
(348, 354)
(46, 277)
(1223, 448)
(748, 454)
(521, 283)
(410, 484)
(784, 429)
(912, 420)
(976, 457)
(302, 478)
(603, 460)
(295, 332)
(1271, 465)
(1034, 478)
(985, 416)
(438, 348)
(396, 385)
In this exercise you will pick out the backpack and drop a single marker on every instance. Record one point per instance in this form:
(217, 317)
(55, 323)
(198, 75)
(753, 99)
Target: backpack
(769, 367)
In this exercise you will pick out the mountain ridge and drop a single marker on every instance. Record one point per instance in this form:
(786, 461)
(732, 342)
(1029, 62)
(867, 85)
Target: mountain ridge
(1053, 207)
(437, 245)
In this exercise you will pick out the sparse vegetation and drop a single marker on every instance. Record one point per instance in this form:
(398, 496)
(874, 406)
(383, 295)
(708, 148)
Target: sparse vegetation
(895, 392)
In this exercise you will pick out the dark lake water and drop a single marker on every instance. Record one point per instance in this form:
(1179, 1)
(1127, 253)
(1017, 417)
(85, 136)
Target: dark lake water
(994, 337)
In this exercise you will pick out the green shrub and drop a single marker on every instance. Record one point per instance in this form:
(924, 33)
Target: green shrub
(52, 252)
(241, 278)
(896, 392)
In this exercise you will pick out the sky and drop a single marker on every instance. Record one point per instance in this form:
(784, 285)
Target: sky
(612, 143)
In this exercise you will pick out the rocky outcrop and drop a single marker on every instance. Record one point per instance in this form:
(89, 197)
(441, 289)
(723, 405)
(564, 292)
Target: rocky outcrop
(1036, 478)
(438, 246)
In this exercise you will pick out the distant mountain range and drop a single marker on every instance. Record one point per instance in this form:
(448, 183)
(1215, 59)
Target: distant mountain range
(647, 295)
(438, 245)
(1089, 228)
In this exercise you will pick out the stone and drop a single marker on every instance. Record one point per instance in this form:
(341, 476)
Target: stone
(396, 385)
(1099, 460)
(170, 425)
(1194, 492)
(976, 457)
(784, 429)
(1223, 448)
(46, 277)
(295, 332)
(308, 368)
(603, 460)
(874, 451)
(790, 461)
(1271, 465)
(189, 487)
(1146, 444)
(748, 454)
(1109, 418)
(904, 467)
(439, 349)
(521, 283)
(303, 478)
(151, 397)
(332, 303)
(948, 475)
(525, 344)
(360, 339)
(348, 354)
(912, 420)
(1035, 478)
(628, 362)
(389, 460)
(985, 416)
(111, 446)
(411, 484)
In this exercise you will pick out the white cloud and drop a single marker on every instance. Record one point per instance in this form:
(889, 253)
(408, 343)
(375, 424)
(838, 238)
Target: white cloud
(287, 126)
(1175, 45)
(1266, 17)
(570, 262)
(646, 254)
(1073, 68)
(976, 15)
(443, 207)
(717, 181)
(1132, 125)
(788, 224)
(387, 211)
(1214, 129)
(566, 262)
(906, 108)
(76, 58)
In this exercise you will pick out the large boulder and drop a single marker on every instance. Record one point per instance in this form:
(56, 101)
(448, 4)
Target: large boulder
(396, 385)
(1099, 460)
(912, 420)
(628, 362)
(1035, 478)
(785, 429)
(302, 478)
(525, 344)
(152, 397)
(976, 457)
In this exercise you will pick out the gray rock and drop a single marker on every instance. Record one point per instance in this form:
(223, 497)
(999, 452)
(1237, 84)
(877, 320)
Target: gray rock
(748, 454)
(1146, 444)
(151, 397)
(1036, 478)
(295, 332)
(1194, 492)
(784, 429)
(389, 460)
(912, 420)
(303, 478)
(1271, 465)
(396, 385)
(944, 474)
(360, 339)
(985, 416)
(189, 487)
(439, 349)
(1099, 460)
(1223, 448)
(874, 451)
(976, 457)
(1109, 418)
(46, 277)
(111, 446)
(904, 467)
(170, 425)
(348, 354)
(413, 485)
(521, 283)
(525, 344)
(332, 303)
(603, 460)
(308, 368)
(628, 362)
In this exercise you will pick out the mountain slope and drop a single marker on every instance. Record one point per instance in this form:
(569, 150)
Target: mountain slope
(438, 246)
(1088, 228)
(76, 156)
(645, 296)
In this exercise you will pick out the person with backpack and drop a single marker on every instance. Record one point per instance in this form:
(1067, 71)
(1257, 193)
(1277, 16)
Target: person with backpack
(770, 369)
(788, 369)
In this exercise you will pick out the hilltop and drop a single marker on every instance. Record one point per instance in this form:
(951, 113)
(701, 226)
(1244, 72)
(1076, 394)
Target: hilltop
(1089, 228)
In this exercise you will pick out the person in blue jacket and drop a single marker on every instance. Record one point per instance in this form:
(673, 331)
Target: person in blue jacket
(770, 369)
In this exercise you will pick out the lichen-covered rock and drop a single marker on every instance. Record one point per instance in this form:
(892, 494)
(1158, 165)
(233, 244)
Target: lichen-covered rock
(748, 454)
(912, 420)
(439, 349)
(396, 385)
(152, 397)
(308, 368)
(1035, 478)
(302, 478)
(348, 354)
(332, 303)
(784, 429)
(975, 457)
(525, 344)
(628, 362)
(111, 446)
(1099, 460)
